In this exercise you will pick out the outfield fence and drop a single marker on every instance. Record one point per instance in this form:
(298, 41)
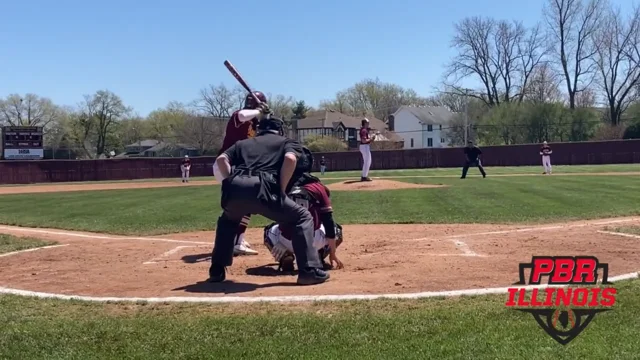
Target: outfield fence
(576, 153)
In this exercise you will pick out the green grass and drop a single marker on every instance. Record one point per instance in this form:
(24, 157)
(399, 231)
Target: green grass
(532, 199)
(9, 243)
(634, 230)
(459, 328)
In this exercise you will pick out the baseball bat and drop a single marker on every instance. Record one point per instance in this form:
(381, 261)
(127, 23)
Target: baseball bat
(240, 79)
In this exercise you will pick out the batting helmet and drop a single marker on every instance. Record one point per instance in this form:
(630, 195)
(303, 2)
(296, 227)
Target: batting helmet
(251, 103)
(365, 121)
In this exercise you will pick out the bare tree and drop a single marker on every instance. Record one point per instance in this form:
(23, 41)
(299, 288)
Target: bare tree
(219, 101)
(203, 133)
(95, 120)
(572, 25)
(373, 97)
(617, 48)
(281, 105)
(500, 54)
(30, 110)
(544, 85)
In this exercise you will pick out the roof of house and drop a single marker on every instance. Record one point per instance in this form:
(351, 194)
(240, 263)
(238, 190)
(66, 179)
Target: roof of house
(144, 143)
(163, 145)
(429, 114)
(331, 119)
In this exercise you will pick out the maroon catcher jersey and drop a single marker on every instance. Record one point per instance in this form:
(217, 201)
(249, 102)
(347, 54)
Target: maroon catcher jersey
(237, 131)
(315, 198)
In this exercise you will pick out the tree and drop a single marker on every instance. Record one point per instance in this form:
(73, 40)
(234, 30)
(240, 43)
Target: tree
(317, 143)
(95, 120)
(29, 110)
(204, 134)
(164, 123)
(572, 25)
(544, 85)
(220, 101)
(500, 54)
(300, 110)
(281, 105)
(616, 48)
(372, 97)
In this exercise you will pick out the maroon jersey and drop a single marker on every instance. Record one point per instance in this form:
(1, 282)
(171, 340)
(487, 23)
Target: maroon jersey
(237, 131)
(545, 150)
(186, 162)
(315, 198)
(364, 135)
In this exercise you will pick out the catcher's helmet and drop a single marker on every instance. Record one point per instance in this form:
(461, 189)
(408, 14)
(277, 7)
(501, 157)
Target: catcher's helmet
(250, 102)
(305, 164)
(271, 124)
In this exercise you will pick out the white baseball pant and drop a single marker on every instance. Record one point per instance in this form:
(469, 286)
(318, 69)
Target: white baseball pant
(274, 236)
(546, 163)
(365, 149)
(185, 172)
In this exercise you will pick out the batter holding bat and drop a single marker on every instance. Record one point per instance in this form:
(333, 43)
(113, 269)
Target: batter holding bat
(241, 126)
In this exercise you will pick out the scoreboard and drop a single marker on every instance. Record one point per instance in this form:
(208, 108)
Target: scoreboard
(22, 143)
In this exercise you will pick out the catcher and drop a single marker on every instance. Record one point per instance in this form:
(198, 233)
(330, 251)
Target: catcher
(307, 191)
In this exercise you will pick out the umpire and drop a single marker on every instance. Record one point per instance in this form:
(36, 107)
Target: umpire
(263, 168)
(472, 158)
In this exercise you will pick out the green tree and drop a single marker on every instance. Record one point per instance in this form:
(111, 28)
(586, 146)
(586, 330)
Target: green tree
(300, 110)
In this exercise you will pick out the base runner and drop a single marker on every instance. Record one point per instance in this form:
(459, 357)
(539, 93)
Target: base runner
(309, 192)
(242, 125)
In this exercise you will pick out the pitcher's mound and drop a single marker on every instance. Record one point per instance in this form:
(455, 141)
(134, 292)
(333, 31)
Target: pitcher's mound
(377, 185)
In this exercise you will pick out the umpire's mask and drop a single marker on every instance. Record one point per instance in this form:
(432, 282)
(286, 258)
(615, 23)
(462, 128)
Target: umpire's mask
(272, 125)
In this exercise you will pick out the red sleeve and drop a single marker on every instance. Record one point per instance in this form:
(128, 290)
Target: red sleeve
(319, 193)
(364, 135)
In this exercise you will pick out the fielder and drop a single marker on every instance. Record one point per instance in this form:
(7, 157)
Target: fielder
(365, 149)
(546, 152)
(185, 167)
(307, 191)
(242, 125)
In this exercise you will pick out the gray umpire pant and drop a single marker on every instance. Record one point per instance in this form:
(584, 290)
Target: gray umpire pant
(243, 195)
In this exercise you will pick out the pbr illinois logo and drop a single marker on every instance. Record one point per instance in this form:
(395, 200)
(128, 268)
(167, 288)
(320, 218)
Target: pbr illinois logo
(565, 308)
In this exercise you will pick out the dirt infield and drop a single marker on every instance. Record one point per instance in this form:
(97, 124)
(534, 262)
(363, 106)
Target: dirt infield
(377, 185)
(378, 259)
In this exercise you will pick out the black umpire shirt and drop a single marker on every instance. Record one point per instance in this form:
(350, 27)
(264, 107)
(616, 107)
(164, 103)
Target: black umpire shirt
(263, 153)
(472, 152)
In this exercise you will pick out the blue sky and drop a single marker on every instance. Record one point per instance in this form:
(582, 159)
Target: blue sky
(151, 53)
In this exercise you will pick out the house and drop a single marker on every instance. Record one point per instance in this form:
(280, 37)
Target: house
(341, 126)
(155, 148)
(422, 127)
(140, 146)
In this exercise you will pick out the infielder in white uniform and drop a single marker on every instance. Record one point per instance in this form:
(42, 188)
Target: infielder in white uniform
(185, 167)
(546, 152)
(365, 149)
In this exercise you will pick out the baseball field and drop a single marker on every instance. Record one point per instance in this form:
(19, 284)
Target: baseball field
(117, 270)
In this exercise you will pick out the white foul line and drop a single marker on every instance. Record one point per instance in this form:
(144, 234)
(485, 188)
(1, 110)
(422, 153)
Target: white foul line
(101, 237)
(619, 234)
(301, 298)
(165, 255)
(30, 250)
(539, 228)
(466, 250)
